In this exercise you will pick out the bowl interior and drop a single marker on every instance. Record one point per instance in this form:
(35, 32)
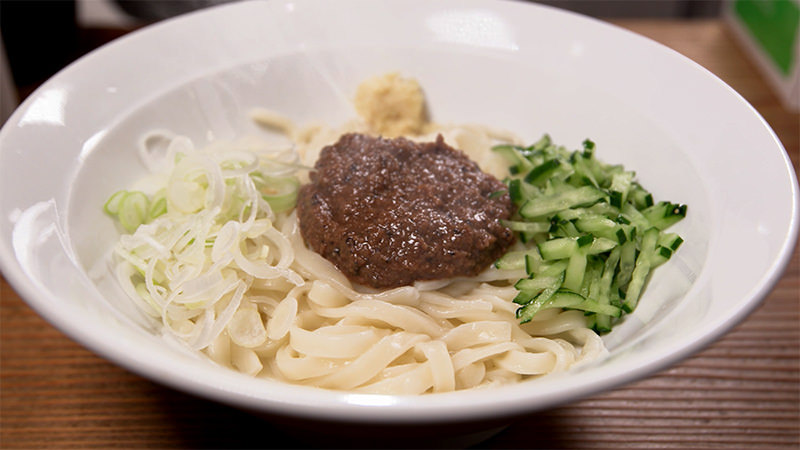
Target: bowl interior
(215, 106)
(527, 69)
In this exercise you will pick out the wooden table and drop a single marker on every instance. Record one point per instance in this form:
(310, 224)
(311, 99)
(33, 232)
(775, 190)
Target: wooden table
(738, 393)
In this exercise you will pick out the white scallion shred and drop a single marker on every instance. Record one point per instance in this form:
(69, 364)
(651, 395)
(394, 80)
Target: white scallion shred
(191, 263)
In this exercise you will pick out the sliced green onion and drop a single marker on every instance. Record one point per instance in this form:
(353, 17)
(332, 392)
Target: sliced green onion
(279, 192)
(111, 206)
(133, 210)
(158, 205)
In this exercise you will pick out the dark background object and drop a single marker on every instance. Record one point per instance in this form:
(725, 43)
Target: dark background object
(40, 37)
(155, 10)
(618, 9)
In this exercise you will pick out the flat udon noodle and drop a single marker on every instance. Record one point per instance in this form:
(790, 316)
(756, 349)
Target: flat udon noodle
(279, 310)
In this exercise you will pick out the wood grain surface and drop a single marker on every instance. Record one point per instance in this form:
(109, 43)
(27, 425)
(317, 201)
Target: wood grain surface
(743, 391)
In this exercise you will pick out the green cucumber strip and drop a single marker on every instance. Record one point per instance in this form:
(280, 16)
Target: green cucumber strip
(640, 198)
(620, 185)
(576, 268)
(537, 284)
(526, 227)
(523, 298)
(513, 155)
(660, 256)
(582, 174)
(601, 226)
(543, 143)
(600, 245)
(627, 262)
(552, 268)
(520, 191)
(588, 148)
(551, 204)
(595, 286)
(530, 237)
(602, 290)
(603, 208)
(533, 261)
(511, 260)
(564, 229)
(564, 298)
(670, 240)
(556, 185)
(595, 223)
(558, 248)
(584, 240)
(526, 313)
(590, 305)
(635, 217)
(571, 214)
(602, 323)
(591, 276)
(641, 270)
(520, 259)
(662, 215)
(609, 268)
(539, 174)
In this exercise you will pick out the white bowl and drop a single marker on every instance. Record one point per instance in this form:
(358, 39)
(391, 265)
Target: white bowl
(525, 68)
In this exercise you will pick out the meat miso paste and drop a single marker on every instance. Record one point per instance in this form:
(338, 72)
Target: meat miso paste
(389, 212)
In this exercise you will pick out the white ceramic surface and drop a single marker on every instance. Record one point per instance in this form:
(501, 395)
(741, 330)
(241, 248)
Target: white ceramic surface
(525, 68)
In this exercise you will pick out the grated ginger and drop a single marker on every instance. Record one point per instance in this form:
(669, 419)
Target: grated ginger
(391, 105)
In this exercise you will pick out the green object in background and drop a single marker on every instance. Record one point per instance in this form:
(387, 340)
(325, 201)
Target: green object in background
(774, 25)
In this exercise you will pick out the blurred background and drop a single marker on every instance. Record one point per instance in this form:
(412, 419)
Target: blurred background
(39, 37)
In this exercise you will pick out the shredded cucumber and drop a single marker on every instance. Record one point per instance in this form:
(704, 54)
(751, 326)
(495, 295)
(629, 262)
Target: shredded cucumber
(593, 234)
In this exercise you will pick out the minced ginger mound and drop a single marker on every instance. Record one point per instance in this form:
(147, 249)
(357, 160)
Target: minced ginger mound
(391, 105)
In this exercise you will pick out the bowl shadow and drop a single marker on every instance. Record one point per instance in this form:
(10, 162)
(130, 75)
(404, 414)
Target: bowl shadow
(200, 423)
